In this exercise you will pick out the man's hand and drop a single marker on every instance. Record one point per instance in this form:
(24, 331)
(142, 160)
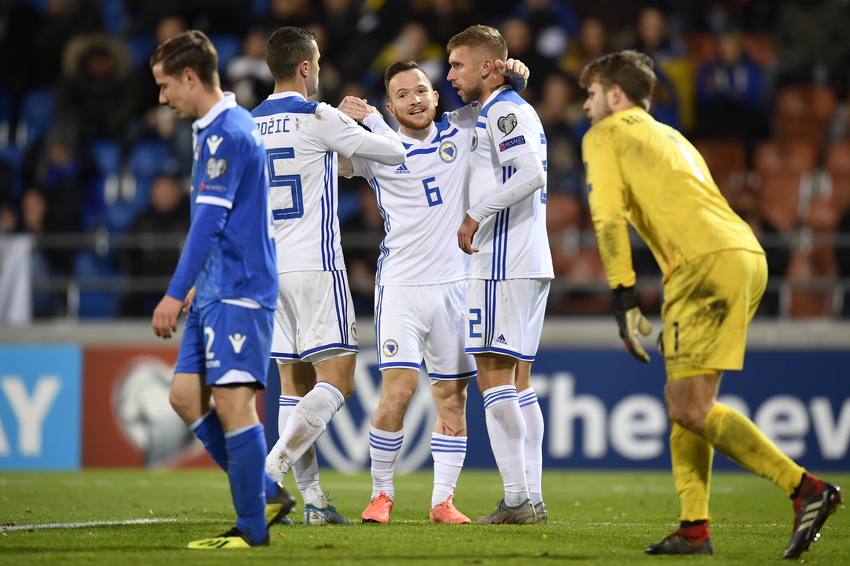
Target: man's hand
(356, 108)
(515, 72)
(465, 233)
(631, 321)
(190, 296)
(165, 316)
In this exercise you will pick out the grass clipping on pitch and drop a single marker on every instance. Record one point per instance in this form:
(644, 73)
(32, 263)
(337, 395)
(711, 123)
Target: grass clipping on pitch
(148, 517)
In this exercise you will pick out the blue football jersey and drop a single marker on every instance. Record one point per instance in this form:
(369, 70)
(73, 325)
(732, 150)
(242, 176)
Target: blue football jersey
(229, 170)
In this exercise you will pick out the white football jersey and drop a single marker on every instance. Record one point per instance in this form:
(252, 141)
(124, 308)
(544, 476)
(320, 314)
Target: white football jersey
(423, 203)
(512, 243)
(302, 139)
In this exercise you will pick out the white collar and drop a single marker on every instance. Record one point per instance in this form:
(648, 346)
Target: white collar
(287, 94)
(494, 94)
(229, 101)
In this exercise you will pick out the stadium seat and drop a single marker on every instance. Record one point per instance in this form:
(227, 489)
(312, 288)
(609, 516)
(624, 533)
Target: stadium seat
(838, 158)
(141, 46)
(823, 216)
(780, 200)
(839, 190)
(562, 212)
(13, 155)
(37, 110)
(114, 16)
(700, 48)
(794, 156)
(811, 275)
(148, 159)
(759, 47)
(259, 8)
(119, 216)
(726, 160)
(107, 156)
(228, 47)
(89, 269)
(803, 112)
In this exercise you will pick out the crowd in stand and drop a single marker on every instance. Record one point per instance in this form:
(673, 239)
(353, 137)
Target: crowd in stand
(759, 86)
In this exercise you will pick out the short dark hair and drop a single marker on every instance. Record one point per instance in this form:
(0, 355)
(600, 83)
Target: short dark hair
(190, 49)
(286, 48)
(481, 38)
(630, 70)
(400, 67)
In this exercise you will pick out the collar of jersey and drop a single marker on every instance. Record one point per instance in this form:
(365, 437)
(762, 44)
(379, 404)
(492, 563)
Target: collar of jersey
(287, 94)
(415, 141)
(494, 94)
(229, 101)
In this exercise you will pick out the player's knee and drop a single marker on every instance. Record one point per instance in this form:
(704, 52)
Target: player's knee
(690, 417)
(184, 406)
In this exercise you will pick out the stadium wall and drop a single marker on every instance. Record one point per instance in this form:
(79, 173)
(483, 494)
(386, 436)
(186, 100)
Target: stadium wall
(96, 395)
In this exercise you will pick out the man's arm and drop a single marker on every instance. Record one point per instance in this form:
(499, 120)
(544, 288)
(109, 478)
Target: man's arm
(382, 143)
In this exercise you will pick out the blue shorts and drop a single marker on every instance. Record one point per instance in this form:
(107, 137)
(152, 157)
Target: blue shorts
(228, 343)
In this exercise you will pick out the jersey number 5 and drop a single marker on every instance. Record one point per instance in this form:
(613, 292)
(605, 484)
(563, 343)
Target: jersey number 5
(285, 182)
(432, 193)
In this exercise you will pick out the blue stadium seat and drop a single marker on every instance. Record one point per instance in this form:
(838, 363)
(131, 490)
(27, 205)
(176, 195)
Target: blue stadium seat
(114, 16)
(228, 47)
(141, 46)
(149, 159)
(88, 267)
(13, 155)
(107, 156)
(37, 111)
(119, 216)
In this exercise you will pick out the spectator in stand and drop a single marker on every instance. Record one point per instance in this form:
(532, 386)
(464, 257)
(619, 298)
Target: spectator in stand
(730, 95)
(520, 40)
(96, 91)
(167, 215)
(842, 256)
(248, 74)
(64, 19)
(553, 23)
(813, 42)
(559, 106)
(8, 213)
(591, 42)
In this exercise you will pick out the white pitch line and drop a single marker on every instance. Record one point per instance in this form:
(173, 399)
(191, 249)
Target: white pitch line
(82, 525)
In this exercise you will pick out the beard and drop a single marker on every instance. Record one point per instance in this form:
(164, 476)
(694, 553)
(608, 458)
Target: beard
(471, 94)
(416, 123)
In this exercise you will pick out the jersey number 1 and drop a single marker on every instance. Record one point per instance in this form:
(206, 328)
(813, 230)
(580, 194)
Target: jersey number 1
(291, 182)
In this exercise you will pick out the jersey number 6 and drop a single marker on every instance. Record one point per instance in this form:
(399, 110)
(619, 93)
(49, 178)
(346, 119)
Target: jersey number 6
(432, 193)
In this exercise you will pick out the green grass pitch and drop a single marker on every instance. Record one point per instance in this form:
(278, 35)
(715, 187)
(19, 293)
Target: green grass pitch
(597, 518)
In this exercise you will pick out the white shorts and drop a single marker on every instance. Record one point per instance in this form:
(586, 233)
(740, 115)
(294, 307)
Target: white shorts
(424, 321)
(505, 316)
(314, 318)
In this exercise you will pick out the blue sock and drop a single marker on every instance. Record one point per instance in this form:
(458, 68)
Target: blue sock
(246, 459)
(208, 430)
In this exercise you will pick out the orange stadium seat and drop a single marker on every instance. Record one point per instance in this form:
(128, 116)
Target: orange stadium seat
(840, 190)
(726, 160)
(759, 46)
(838, 158)
(793, 156)
(700, 48)
(803, 112)
(780, 200)
(816, 266)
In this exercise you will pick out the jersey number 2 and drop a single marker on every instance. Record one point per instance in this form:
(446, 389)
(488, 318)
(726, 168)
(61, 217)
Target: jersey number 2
(284, 182)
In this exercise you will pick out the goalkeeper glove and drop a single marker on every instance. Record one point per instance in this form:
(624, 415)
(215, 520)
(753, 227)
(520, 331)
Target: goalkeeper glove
(631, 321)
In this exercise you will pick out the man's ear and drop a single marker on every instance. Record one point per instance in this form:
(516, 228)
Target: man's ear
(189, 76)
(304, 68)
(487, 67)
(391, 110)
(436, 98)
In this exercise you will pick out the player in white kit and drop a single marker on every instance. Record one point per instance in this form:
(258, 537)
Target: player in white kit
(315, 335)
(505, 231)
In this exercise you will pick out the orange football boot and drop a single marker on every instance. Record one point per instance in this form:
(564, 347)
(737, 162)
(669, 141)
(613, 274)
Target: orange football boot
(379, 510)
(448, 513)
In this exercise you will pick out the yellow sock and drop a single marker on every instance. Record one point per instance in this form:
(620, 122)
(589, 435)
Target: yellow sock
(737, 437)
(691, 457)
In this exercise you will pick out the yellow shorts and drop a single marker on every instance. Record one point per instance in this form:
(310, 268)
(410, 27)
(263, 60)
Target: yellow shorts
(708, 306)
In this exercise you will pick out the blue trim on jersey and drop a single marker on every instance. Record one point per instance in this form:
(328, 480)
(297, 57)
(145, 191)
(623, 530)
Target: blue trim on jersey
(405, 365)
(284, 356)
(500, 244)
(328, 248)
(385, 251)
(472, 373)
(510, 353)
(508, 95)
(422, 151)
(341, 304)
(440, 135)
(378, 309)
(480, 125)
(406, 145)
(287, 104)
(348, 347)
(441, 126)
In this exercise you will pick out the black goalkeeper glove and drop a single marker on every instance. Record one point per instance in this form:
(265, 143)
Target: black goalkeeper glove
(631, 321)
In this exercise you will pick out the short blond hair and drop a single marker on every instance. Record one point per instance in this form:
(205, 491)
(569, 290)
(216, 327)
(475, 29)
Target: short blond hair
(482, 39)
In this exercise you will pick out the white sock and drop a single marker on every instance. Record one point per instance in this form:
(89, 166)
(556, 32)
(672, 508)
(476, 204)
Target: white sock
(533, 444)
(384, 448)
(507, 434)
(306, 423)
(306, 468)
(449, 453)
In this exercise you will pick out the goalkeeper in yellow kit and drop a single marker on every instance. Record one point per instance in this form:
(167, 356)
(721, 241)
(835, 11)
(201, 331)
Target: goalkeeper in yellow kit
(646, 174)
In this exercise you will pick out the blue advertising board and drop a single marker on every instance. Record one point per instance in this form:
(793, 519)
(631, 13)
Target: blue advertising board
(603, 409)
(40, 407)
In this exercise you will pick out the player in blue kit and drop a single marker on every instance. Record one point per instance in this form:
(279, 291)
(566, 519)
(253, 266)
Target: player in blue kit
(228, 263)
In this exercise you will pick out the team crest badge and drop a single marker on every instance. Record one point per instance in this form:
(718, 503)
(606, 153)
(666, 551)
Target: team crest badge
(475, 140)
(390, 348)
(354, 330)
(507, 123)
(448, 151)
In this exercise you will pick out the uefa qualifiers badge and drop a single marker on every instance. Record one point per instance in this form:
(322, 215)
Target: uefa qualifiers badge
(447, 151)
(390, 348)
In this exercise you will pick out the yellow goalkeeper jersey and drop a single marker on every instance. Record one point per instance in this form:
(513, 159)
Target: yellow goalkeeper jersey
(647, 174)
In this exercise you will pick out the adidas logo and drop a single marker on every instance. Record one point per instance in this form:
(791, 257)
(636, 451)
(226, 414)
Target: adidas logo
(402, 170)
(501, 339)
